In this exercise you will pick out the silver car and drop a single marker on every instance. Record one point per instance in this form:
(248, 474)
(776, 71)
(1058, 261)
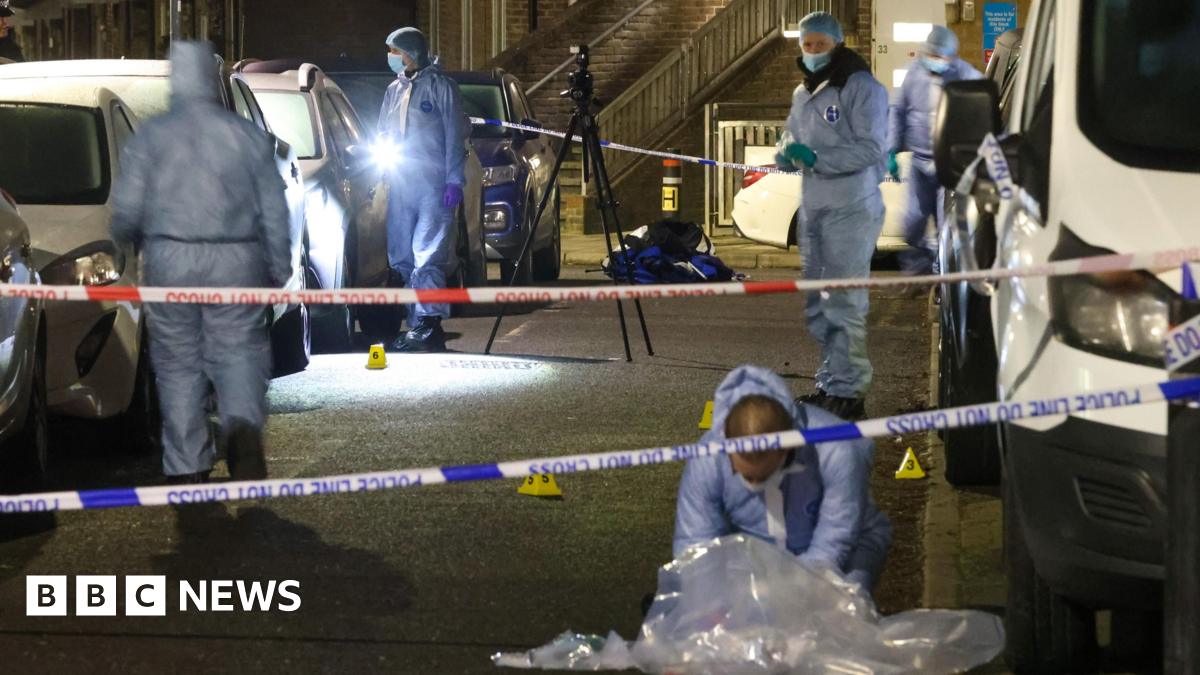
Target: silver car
(313, 114)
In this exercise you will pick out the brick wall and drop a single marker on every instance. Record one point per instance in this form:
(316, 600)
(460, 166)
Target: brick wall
(549, 12)
(320, 33)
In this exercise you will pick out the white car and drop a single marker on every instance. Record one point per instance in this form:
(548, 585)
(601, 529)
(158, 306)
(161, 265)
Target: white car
(144, 86)
(60, 146)
(764, 210)
(24, 451)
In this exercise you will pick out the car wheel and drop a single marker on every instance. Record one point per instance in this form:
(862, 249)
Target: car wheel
(291, 342)
(475, 261)
(28, 453)
(965, 377)
(332, 325)
(1045, 632)
(547, 262)
(141, 427)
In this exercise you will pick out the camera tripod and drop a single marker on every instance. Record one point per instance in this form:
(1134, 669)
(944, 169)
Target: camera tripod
(584, 122)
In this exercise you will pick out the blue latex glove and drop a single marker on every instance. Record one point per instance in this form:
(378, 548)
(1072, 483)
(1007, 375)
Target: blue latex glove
(799, 152)
(893, 166)
(783, 163)
(452, 196)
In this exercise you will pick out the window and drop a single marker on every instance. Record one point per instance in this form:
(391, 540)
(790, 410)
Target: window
(334, 125)
(516, 99)
(487, 101)
(348, 116)
(1041, 54)
(256, 113)
(240, 106)
(291, 116)
(53, 154)
(122, 129)
(1139, 81)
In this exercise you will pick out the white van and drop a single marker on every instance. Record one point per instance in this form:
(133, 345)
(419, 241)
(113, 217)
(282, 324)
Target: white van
(1103, 135)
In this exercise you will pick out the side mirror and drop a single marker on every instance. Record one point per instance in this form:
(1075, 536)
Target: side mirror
(969, 110)
(530, 135)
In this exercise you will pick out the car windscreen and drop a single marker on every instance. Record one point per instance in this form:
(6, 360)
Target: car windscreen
(487, 101)
(291, 118)
(1139, 84)
(365, 92)
(53, 154)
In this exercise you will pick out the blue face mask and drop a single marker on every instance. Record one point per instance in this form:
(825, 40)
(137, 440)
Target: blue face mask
(935, 66)
(815, 62)
(396, 63)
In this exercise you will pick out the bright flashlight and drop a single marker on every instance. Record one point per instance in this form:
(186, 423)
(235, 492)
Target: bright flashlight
(385, 154)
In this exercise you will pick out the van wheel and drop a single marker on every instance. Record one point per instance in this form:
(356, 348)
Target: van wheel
(972, 453)
(1046, 633)
(332, 325)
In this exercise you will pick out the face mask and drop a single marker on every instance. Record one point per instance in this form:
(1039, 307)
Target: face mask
(396, 63)
(936, 66)
(815, 62)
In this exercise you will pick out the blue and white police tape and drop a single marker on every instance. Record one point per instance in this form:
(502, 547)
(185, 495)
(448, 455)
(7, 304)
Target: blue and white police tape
(640, 151)
(949, 418)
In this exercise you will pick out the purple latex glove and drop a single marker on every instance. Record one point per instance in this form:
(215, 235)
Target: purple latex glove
(452, 196)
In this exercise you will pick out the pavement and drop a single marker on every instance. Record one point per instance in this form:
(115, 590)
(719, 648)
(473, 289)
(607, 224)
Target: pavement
(436, 579)
(588, 250)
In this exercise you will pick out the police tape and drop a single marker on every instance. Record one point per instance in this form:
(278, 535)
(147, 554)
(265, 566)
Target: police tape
(640, 151)
(1157, 260)
(933, 420)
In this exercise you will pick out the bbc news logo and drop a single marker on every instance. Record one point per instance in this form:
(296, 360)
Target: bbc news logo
(147, 596)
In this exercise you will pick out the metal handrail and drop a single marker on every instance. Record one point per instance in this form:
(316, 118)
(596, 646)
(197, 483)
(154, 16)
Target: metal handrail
(600, 38)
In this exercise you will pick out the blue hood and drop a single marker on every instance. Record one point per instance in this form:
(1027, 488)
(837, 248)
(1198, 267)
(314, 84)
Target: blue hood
(194, 75)
(746, 381)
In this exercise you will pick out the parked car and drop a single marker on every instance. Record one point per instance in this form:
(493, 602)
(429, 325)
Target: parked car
(1113, 84)
(60, 147)
(24, 449)
(144, 86)
(516, 174)
(764, 210)
(314, 115)
(966, 349)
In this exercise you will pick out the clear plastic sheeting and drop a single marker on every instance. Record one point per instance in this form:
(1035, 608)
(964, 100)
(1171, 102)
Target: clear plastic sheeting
(741, 605)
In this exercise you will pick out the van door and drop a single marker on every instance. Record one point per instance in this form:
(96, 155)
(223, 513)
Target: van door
(900, 26)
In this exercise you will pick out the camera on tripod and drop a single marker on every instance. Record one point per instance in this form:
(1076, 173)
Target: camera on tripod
(580, 79)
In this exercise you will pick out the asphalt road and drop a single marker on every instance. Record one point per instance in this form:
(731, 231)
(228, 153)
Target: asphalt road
(436, 579)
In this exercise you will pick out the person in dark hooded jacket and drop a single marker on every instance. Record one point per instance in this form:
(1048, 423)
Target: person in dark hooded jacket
(200, 195)
(9, 49)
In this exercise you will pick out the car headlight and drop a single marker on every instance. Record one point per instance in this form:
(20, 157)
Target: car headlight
(499, 175)
(96, 264)
(1120, 315)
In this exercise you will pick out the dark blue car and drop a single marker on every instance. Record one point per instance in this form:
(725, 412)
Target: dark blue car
(516, 173)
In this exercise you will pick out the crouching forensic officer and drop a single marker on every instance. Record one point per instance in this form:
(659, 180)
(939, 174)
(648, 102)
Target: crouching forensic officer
(422, 117)
(814, 501)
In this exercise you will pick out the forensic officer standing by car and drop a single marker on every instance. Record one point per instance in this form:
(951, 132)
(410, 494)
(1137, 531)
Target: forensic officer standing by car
(9, 49)
(910, 127)
(835, 134)
(423, 118)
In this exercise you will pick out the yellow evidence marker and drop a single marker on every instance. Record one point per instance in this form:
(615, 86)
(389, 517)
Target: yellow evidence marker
(910, 467)
(540, 485)
(706, 418)
(377, 359)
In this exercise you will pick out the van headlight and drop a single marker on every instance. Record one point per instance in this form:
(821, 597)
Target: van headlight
(96, 264)
(498, 175)
(1120, 315)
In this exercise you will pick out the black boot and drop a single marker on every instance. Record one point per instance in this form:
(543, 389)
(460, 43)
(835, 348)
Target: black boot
(849, 409)
(246, 460)
(816, 398)
(426, 337)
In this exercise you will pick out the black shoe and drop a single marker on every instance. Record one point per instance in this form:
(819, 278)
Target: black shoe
(816, 398)
(426, 337)
(189, 478)
(246, 460)
(849, 409)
